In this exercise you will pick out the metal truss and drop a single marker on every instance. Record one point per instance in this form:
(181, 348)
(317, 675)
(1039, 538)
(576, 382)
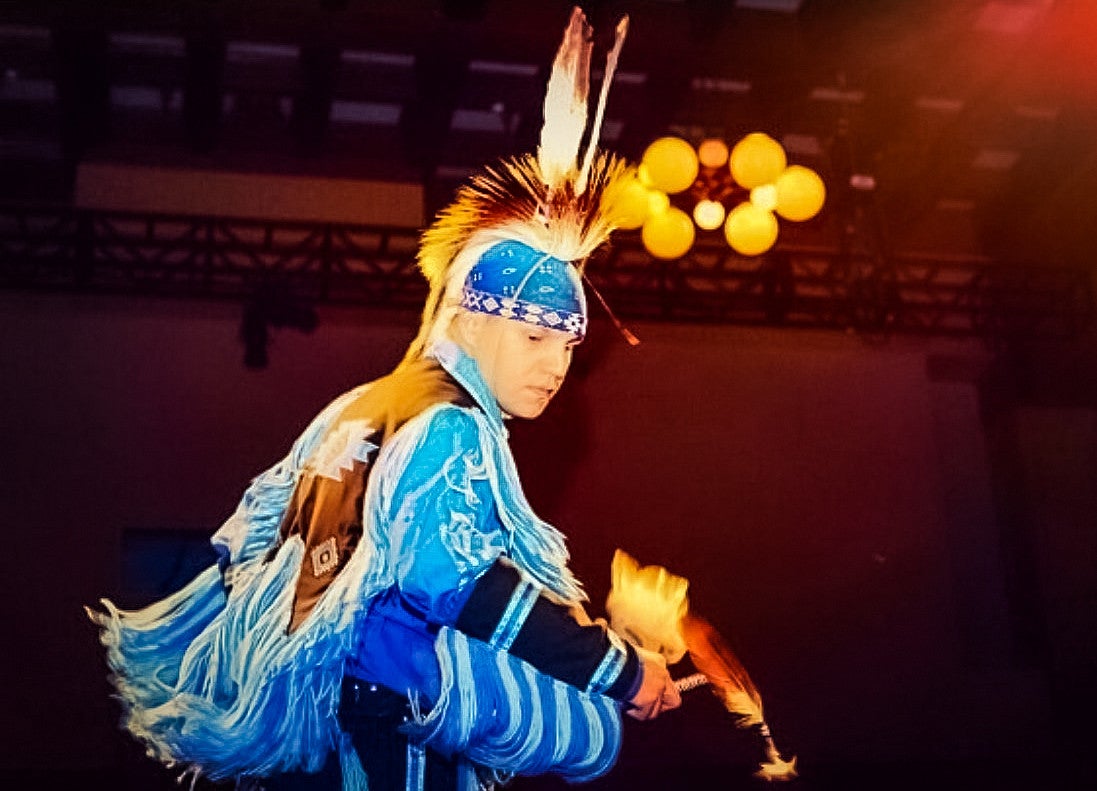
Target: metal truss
(60, 249)
(803, 287)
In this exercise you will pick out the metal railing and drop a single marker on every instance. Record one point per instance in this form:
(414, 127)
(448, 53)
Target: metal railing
(80, 250)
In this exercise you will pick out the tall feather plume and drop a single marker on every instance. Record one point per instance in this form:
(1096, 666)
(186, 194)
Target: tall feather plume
(607, 80)
(566, 104)
(543, 200)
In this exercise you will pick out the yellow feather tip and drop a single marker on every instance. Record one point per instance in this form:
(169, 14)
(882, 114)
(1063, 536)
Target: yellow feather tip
(777, 770)
(646, 604)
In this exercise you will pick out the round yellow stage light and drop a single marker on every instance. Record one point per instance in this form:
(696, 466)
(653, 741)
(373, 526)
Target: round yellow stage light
(708, 214)
(757, 159)
(669, 164)
(632, 206)
(800, 193)
(669, 234)
(713, 153)
(657, 201)
(764, 197)
(750, 230)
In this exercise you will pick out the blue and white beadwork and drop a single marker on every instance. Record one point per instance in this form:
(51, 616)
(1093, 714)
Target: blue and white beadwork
(516, 281)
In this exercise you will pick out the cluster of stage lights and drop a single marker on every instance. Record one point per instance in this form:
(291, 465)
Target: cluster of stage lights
(743, 189)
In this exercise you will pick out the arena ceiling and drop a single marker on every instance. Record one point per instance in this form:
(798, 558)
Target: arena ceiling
(963, 128)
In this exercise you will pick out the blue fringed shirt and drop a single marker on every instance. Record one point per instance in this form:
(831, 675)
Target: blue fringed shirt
(449, 548)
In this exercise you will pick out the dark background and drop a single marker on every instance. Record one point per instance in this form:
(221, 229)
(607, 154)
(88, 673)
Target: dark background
(894, 531)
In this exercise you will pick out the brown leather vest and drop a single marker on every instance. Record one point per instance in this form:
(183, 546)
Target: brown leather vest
(326, 506)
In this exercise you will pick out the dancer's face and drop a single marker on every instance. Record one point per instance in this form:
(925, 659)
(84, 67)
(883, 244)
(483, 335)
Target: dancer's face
(524, 365)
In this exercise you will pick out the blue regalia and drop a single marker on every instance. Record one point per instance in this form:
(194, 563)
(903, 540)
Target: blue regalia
(392, 549)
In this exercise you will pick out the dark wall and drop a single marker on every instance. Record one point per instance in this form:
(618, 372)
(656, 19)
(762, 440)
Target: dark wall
(829, 499)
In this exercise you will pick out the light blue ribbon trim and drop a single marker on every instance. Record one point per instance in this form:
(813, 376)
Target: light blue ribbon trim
(610, 667)
(518, 609)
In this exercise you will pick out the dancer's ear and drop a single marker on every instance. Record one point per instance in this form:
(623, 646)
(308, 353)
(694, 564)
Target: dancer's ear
(468, 330)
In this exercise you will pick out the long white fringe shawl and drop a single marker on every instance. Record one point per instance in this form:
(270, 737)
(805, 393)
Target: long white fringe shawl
(208, 678)
(252, 530)
(213, 682)
(501, 712)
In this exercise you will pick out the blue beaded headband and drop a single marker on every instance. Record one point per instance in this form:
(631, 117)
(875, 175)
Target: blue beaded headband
(518, 282)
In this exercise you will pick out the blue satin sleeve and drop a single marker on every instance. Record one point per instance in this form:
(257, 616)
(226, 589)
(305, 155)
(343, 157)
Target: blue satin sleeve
(445, 531)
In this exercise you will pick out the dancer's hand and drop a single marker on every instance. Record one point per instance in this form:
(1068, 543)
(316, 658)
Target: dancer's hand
(657, 692)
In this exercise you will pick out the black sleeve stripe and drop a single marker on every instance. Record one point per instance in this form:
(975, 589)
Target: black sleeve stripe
(550, 639)
(488, 601)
